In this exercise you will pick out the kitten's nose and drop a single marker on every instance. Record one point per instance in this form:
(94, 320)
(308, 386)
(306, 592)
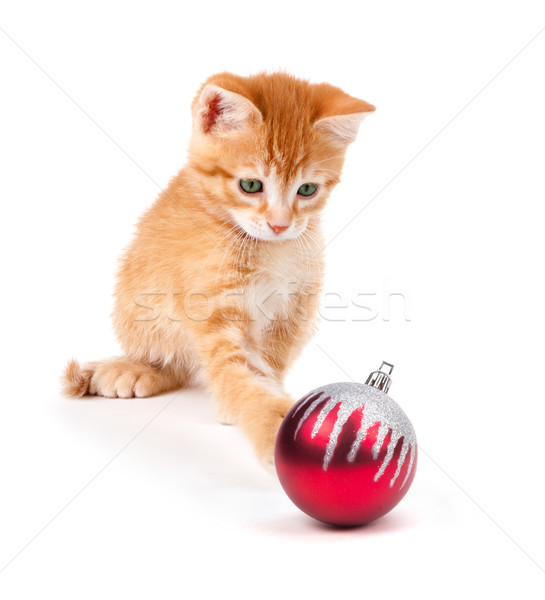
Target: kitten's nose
(277, 228)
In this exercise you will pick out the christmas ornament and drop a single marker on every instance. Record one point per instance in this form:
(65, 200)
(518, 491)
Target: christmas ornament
(346, 453)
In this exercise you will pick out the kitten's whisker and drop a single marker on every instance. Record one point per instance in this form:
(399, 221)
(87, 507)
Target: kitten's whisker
(324, 170)
(304, 252)
(240, 257)
(232, 246)
(232, 228)
(325, 160)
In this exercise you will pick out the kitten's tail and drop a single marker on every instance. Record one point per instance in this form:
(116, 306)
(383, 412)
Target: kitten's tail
(75, 380)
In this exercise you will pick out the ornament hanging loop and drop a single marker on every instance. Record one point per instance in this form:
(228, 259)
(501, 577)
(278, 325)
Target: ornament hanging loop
(381, 378)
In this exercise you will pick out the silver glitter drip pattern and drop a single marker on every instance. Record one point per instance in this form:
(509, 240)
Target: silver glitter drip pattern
(378, 407)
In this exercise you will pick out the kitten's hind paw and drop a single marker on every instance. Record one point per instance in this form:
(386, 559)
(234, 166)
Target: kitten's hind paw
(119, 377)
(124, 378)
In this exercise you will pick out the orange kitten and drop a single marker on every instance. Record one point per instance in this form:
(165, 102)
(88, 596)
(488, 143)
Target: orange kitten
(223, 276)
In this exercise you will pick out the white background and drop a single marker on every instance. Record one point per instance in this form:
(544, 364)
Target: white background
(115, 499)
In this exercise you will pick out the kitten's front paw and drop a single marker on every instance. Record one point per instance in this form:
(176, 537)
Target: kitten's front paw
(223, 417)
(264, 434)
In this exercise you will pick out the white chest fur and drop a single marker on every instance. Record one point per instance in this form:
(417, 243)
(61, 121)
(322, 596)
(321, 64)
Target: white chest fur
(273, 290)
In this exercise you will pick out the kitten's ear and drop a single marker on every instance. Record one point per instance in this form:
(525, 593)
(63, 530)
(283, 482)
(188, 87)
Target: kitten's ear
(343, 129)
(221, 111)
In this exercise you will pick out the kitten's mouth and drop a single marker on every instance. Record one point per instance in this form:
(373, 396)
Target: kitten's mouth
(267, 233)
(275, 237)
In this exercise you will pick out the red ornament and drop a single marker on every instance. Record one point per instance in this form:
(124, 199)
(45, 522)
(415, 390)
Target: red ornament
(346, 453)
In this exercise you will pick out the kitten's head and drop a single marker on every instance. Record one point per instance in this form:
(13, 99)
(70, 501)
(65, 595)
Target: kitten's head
(268, 149)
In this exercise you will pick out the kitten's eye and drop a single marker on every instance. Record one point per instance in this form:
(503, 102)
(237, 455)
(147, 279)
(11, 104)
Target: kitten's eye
(307, 190)
(250, 186)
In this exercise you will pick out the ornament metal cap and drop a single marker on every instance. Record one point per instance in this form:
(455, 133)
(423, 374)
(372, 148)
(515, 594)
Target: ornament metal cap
(380, 379)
